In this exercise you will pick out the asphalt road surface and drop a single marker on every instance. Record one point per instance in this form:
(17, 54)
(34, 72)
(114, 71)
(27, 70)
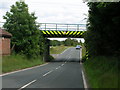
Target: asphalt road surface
(64, 72)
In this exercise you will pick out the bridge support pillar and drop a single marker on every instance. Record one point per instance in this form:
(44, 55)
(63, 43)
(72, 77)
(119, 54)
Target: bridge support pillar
(46, 51)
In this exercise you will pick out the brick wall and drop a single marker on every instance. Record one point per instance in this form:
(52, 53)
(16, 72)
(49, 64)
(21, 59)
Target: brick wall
(5, 46)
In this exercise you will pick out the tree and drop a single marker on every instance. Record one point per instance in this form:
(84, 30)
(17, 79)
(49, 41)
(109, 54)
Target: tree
(70, 42)
(102, 37)
(22, 25)
(55, 43)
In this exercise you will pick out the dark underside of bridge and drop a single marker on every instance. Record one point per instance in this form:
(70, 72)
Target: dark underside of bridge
(57, 34)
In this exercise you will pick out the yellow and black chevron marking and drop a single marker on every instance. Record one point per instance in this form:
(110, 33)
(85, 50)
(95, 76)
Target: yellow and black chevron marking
(73, 34)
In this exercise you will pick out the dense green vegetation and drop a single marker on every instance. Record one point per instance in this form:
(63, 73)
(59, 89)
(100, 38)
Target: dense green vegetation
(102, 72)
(27, 43)
(102, 37)
(58, 47)
(67, 42)
(26, 36)
(102, 45)
(17, 62)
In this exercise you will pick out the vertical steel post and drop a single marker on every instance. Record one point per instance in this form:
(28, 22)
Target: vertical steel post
(67, 27)
(45, 26)
(56, 26)
(77, 27)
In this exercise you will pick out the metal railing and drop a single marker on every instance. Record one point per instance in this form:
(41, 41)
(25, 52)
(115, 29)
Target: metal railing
(62, 27)
(58, 26)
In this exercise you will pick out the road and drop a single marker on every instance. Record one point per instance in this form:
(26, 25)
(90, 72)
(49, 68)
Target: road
(64, 72)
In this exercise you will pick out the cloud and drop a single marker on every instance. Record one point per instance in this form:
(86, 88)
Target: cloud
(52, 11)
(67, 11)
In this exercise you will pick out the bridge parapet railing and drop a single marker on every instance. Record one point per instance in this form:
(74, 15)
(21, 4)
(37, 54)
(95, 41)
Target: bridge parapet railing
(62, 27)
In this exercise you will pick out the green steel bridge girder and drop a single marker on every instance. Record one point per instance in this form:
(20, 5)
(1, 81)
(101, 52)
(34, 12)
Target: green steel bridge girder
(56, 33)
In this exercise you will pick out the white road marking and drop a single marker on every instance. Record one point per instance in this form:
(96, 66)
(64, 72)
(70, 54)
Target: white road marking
(47, 73)
(84, 81)
(56, 68)
(59, 67)
(27, 84)
(66, 62)
(62, 65)
(22, 70)
(83, 75)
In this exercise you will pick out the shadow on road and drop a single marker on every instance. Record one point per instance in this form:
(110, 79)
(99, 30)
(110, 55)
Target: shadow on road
(66, 60)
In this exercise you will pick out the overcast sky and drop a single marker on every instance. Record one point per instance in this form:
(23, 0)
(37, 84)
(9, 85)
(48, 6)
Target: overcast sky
(52, 11)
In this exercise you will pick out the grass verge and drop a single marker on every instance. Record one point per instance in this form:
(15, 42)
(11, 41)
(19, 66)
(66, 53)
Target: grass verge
(58, 49)
(17, 62)
(83, 50)
(102, 72)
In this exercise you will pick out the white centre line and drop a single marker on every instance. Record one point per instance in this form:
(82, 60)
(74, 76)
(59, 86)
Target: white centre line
(27, 84)
(47, 73)
(56, 68)
(59, 67)
(62, 65)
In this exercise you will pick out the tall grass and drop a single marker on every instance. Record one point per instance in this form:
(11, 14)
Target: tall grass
(102, 72)
(17, 62)
(83, 50)
(58, 49)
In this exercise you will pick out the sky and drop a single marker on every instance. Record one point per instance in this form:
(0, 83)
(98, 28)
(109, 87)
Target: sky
(52, 11)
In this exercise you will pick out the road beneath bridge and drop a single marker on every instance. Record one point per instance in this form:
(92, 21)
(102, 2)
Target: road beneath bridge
(64, 72)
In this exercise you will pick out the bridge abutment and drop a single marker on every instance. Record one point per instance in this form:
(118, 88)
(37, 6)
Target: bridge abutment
(46, 51)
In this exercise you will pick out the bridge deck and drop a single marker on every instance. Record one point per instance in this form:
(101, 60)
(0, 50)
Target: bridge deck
(62, 30)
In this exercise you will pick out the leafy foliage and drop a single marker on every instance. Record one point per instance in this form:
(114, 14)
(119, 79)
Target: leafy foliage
(102, 37)
(71, 42)
(55, 43)
(67, 42)
(26, 34)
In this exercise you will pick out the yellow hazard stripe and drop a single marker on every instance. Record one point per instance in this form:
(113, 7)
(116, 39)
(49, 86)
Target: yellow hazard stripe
(67, 32)
(81, 33)
(59, 32)
(55, 32)
(51, 32)
(78, 33)
(74, 32)
(71, 32)
(63, 32)
(47, 32)
(44, 32)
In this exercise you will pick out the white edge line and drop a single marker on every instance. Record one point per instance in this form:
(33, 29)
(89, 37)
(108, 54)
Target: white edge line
(83, 75)
(84, 80)
(22, 70)
(27, 84)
